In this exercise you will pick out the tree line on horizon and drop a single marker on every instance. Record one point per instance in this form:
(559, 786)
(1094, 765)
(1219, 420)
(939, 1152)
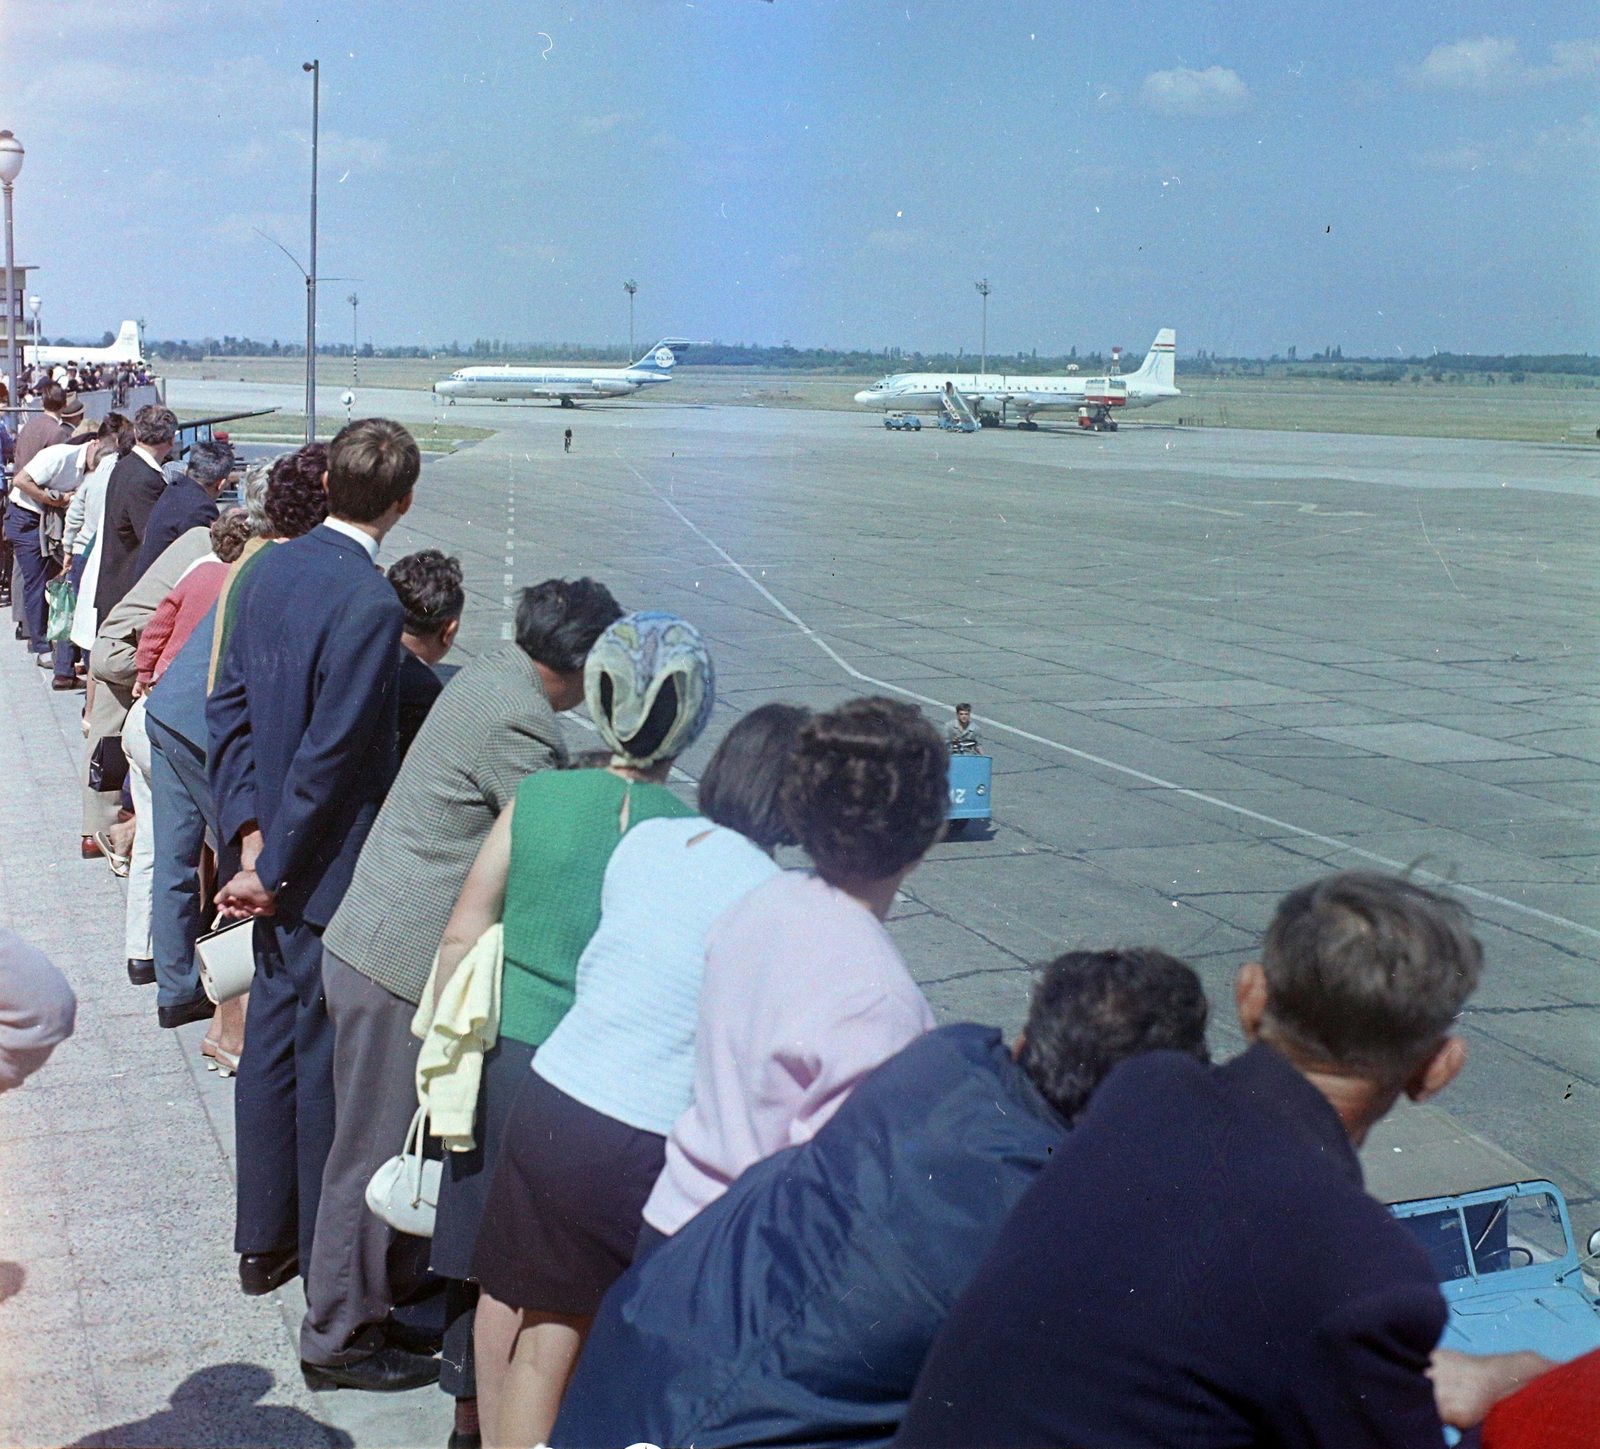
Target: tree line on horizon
(784, 358)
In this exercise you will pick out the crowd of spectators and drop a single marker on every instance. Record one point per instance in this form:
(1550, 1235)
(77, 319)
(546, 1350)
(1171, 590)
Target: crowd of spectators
(711, 1173)
(118, 378)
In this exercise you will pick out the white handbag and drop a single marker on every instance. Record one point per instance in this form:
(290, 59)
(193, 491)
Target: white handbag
(404, 1192)
(227, 958)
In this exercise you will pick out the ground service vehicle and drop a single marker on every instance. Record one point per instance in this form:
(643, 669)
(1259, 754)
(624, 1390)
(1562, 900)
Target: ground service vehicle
(902, 423)
(1508, 1269)
(970, 779)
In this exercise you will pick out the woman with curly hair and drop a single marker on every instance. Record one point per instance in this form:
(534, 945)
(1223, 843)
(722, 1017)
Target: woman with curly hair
(293, 502)
(804, 993)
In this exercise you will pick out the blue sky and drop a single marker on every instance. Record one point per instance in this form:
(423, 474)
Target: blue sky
(1385, 178)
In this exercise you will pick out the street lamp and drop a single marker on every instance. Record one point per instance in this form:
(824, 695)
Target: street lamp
(33, 306)
(314, 69)
(11, 154)
(983, 291)
(630, 287)
(355, 334)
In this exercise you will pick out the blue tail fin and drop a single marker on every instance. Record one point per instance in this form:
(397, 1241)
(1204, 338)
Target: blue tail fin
(661, 358)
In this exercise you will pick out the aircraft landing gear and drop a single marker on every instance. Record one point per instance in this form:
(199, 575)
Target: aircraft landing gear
(567, 402)
(1028, 425)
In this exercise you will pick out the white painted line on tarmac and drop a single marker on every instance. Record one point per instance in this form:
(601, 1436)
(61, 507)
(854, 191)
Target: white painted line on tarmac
(1198, 795)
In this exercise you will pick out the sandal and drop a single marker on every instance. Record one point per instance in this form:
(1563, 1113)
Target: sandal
(227, 1064)
(120, 864)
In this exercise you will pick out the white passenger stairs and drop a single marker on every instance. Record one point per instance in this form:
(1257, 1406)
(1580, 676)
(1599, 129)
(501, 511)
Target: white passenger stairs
(958, 410)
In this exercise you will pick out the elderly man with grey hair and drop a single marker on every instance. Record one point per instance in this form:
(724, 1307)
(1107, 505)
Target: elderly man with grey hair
(190, 500)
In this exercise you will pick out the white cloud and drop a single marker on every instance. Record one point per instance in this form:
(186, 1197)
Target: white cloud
(1564, 150)
(598, 125)
(1214, 91)
(1495, 63)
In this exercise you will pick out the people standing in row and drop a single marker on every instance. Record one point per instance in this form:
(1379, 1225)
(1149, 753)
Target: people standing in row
(429, 586)
(35, 516)
(1312, 1317)
(587, 1131)
(856, 1244)
(649, 685)
(188, 501)
(302, 749)
(281, 502)
(804, 991)
(134, 489)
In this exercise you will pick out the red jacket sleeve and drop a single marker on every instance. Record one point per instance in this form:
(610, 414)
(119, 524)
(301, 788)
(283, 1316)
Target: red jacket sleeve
(153, 638)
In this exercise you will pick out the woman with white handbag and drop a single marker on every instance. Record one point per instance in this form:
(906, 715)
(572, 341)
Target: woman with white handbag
(586, 1137)
(649, 686)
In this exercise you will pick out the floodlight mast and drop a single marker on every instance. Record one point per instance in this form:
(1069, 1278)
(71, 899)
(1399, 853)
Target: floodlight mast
(314, 67)
(983, 291)
(630, 287)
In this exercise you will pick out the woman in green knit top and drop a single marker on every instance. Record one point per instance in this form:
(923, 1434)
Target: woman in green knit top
(649, 686)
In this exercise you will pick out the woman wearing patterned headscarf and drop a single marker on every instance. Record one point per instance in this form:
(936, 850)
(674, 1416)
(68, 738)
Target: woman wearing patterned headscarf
(649, 687)
(586, 1137)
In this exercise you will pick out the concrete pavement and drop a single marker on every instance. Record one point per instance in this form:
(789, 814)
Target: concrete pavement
(1211, 666)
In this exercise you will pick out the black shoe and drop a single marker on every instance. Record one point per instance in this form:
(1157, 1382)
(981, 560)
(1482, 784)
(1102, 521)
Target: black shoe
(22, 632)
(413, 1340)
(170, 1016)
(66, 681)
(387, 1371)
(458, 1440)
(141, 973)
(261, 1273)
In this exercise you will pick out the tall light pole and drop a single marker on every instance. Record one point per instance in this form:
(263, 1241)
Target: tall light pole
(34, 304)
(983, 291)
(630, 287)
(355, 334)
(314, 67)
(11, 154)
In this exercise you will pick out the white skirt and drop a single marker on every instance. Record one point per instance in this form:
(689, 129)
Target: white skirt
(83, 619)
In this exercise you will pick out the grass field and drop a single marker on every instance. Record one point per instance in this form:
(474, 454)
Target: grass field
(1554, 409)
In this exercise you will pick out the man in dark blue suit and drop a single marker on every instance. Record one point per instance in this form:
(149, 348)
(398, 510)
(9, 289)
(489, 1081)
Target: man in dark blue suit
(302, 751)
(189, 501)
(1198, 1266)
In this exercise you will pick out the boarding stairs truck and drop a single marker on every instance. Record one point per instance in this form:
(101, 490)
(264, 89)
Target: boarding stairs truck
(957, 415)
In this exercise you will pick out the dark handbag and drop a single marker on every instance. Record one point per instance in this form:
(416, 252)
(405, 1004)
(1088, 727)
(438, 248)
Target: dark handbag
(108, 766)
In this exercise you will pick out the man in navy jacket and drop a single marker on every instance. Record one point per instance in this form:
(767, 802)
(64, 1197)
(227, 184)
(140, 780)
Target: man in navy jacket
(188, 501)
(302, 752)
(1199, 1266)
(798, 1307)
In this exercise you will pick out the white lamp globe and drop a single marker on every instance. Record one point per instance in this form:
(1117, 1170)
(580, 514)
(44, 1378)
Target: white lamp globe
(11, 154)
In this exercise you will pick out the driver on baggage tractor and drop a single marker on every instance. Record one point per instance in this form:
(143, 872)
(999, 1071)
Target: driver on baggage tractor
(960, 735)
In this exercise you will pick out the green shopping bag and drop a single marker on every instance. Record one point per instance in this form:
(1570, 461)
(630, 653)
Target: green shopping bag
(63, 601)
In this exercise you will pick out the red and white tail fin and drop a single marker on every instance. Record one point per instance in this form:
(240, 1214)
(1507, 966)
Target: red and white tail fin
(1160, 363)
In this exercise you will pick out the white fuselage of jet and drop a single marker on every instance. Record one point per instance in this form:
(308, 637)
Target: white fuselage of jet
(566, 385)
(1022, 396)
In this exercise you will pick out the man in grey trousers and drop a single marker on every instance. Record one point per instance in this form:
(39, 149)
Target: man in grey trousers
(493, 725)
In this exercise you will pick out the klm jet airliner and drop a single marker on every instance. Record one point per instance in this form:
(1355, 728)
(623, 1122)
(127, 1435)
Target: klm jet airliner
(568, 385)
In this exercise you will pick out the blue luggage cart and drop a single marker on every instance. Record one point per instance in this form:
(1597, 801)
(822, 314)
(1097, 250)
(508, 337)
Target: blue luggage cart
(970, 779)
